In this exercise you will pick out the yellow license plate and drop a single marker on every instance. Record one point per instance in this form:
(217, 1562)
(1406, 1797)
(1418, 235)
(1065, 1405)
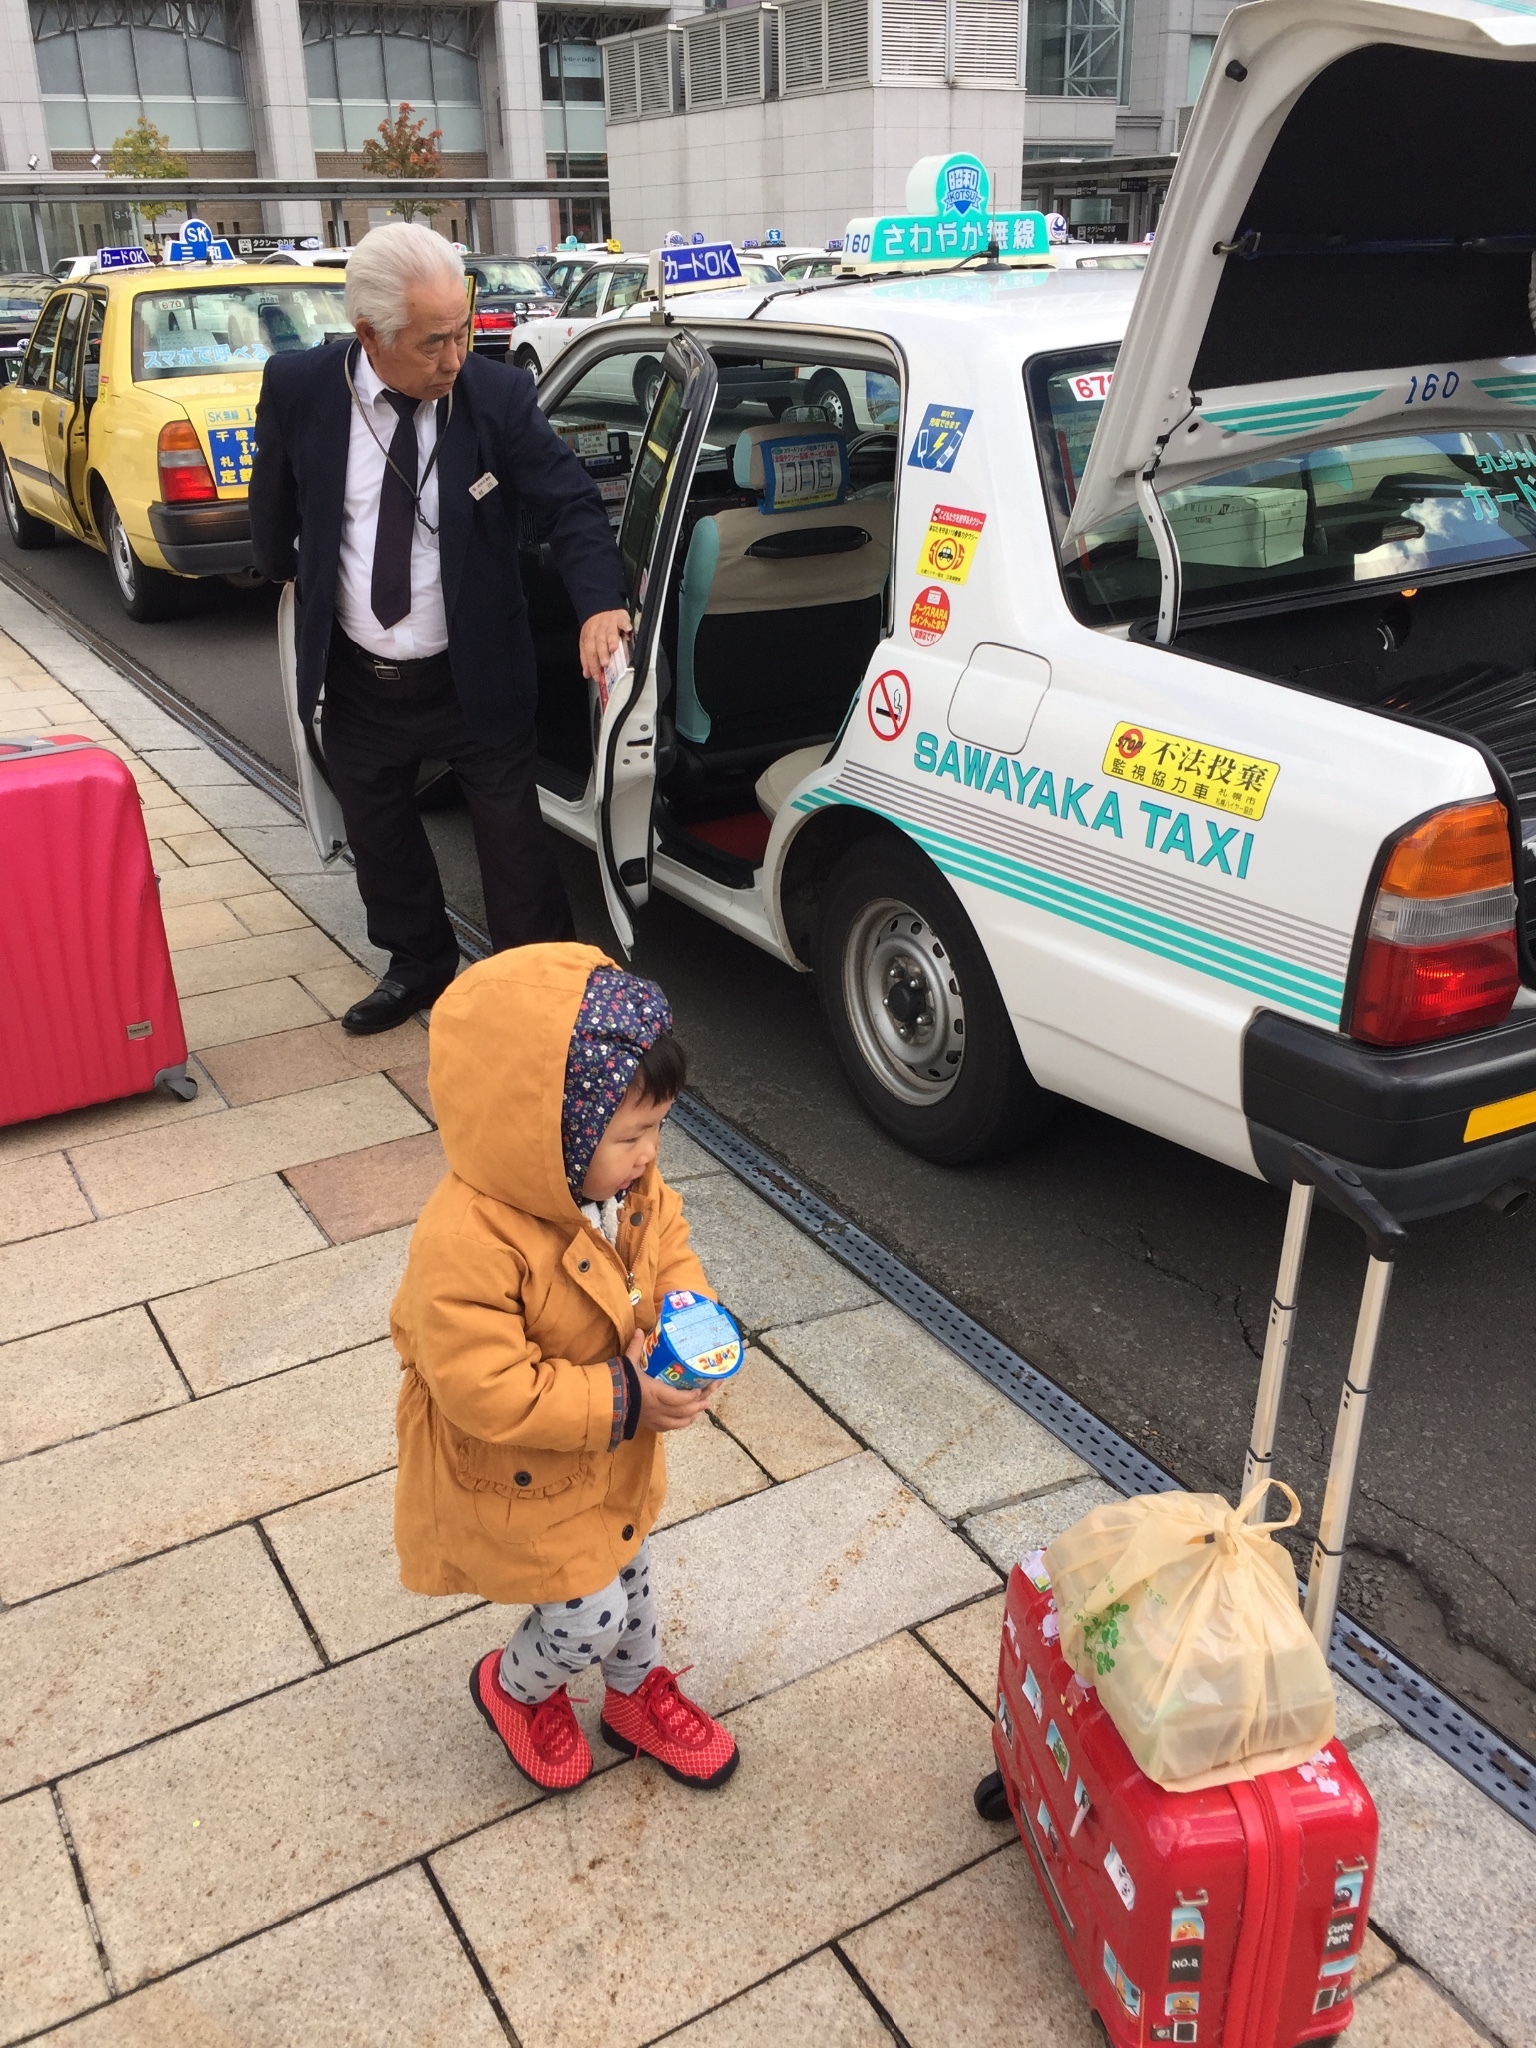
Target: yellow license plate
(1195, 769)
(1512, 1114)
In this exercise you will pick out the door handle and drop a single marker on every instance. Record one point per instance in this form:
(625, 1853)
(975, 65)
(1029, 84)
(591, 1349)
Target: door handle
(37, 419)
(60, 422)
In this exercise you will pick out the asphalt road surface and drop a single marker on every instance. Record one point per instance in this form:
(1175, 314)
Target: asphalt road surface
(1134, 1273)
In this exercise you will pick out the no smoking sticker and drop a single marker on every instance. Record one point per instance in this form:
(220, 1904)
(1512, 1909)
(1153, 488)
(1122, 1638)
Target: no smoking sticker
(889, 705)
(929, 618)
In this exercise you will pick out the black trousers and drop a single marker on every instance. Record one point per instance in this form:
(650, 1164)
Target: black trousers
(375, 735)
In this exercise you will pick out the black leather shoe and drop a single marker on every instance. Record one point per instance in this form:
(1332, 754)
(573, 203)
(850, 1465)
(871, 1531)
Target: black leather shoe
(389, 1004)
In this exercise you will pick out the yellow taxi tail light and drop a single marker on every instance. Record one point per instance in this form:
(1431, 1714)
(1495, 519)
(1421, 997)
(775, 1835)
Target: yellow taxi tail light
(1460, 849)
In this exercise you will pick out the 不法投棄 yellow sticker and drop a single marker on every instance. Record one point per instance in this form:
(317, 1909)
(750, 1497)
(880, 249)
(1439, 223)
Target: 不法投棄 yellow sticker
(1227, 781)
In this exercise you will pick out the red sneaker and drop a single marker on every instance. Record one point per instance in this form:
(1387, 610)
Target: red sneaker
(657, 1720)
(545, 1742)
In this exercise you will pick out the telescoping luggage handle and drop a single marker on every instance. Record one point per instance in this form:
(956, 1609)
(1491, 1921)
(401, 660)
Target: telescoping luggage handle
(1314, 1173)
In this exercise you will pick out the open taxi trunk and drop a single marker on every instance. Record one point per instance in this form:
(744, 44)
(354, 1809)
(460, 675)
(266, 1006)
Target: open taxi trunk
(1316, 460)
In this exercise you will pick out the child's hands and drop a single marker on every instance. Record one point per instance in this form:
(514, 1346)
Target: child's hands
(663, 1407)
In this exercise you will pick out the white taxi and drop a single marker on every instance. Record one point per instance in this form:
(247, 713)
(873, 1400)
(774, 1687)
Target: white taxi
(1148, 718)
(611, 286)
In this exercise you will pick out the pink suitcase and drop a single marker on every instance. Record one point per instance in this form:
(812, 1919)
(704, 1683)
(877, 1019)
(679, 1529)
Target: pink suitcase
(89, 1010)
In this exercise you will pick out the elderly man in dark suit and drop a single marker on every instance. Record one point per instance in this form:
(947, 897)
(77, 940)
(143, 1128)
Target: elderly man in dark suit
(388, 480)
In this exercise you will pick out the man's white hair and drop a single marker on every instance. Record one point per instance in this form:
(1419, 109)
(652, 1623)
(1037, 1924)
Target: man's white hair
(387, 263)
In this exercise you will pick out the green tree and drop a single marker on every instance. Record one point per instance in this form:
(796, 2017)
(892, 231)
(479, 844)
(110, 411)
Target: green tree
(406, 149)
(145, 152)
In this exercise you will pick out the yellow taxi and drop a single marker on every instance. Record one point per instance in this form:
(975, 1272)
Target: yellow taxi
(131, 424)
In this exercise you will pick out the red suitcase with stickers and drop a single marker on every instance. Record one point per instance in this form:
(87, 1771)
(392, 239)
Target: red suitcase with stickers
(1233, 1917)
(90, 1010)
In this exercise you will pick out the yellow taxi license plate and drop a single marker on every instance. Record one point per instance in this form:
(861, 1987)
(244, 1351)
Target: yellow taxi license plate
(1206, 774)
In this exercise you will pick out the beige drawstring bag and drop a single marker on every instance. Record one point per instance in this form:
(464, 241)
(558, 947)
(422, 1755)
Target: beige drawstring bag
(1184, 1616)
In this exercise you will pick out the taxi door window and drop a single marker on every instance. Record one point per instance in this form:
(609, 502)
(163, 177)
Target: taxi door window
(626, 288)
(648, 487)
(66, 358)
(583, 305)
(601, 420)
(38, 366)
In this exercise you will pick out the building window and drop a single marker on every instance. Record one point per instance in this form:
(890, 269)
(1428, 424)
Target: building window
(102, 63)
(363, 62)
(1200, 49)
(586, 219)
(1077, 49)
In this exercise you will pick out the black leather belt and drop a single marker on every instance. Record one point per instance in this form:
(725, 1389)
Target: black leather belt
(431, 668)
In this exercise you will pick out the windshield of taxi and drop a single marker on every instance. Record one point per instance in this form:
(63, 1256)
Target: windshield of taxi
(1395, 507)
(507, 277)
(196, 329)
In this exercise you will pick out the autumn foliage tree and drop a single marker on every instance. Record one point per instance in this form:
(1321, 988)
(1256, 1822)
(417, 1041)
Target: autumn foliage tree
(406, 149)
(144, 151)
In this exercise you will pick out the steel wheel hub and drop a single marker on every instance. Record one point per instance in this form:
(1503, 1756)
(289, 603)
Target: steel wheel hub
(903, 999)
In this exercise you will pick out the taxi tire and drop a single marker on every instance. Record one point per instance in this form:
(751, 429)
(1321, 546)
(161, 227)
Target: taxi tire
(996, 1104)
(828, 389)
(646, 383)
(147, 595)
(24, 530)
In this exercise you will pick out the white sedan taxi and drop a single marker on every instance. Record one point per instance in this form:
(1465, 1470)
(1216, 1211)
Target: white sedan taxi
(610, 287)
(1146, 717)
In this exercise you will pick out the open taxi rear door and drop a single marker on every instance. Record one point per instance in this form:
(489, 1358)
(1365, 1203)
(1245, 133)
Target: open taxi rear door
(1346, 250)
(626, 703)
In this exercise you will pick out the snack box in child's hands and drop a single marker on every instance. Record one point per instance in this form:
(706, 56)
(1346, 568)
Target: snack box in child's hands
(696, 1342)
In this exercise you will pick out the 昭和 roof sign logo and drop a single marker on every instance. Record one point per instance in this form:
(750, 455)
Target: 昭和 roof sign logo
(962, 187)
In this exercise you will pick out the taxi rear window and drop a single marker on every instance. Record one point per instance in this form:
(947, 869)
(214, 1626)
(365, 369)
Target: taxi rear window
(1397, 507)
(206, 328)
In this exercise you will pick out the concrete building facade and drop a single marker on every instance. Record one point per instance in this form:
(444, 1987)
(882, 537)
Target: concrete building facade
(803, 113)
(796, 114)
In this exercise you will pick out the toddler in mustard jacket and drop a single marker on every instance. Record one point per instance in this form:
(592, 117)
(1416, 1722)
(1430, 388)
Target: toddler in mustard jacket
(531, 1466)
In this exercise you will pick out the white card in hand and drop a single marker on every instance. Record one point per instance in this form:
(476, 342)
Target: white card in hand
(614, 670)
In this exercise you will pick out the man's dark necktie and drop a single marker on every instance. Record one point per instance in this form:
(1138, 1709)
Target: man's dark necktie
(391, 592)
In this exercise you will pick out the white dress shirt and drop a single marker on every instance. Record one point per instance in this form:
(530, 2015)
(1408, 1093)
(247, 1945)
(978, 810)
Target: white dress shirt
(424, 629)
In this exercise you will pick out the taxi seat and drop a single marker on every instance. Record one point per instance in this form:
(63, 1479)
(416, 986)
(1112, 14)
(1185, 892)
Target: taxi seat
(278, 330)
(776, 781)
(244, 333)
(780, 602)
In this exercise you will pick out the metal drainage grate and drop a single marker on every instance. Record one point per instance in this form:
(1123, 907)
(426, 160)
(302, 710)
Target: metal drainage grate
(1415, 1701)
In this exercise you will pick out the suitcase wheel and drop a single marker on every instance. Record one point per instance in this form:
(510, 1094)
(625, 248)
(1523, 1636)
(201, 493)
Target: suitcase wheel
(991, 1797)
(179, 1081)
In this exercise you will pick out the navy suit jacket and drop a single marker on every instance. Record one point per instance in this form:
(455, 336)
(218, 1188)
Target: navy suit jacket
(303, 426)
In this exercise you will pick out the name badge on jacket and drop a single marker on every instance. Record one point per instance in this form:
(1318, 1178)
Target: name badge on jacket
(482, 486)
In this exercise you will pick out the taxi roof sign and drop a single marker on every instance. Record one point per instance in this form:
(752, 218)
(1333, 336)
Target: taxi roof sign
(198, 243)
(132, 258)
(699, 262)
(949, 217)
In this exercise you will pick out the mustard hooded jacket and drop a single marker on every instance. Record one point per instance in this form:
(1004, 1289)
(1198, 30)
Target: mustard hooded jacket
(511, 1483)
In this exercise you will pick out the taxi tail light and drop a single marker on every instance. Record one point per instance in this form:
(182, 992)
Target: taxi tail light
(1441, 956)
(185, 478)
(499, 322)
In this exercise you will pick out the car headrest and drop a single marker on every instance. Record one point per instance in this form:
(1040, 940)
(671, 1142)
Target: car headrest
(792, 468)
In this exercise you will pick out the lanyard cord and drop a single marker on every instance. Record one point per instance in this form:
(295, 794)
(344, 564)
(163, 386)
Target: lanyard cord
(362, 412)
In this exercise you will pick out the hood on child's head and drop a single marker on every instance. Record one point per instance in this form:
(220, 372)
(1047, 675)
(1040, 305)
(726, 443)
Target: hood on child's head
(531, 1053)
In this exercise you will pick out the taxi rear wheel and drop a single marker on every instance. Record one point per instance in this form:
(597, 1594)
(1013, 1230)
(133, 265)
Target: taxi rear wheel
(919, 1025)
(147, 594)
(829, 391)
(25, 531)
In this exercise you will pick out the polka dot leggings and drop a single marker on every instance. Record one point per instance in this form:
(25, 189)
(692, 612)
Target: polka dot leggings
(615, 1628)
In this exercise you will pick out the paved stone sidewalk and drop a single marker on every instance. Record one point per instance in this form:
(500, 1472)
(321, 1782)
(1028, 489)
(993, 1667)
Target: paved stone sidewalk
(243, 1796)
